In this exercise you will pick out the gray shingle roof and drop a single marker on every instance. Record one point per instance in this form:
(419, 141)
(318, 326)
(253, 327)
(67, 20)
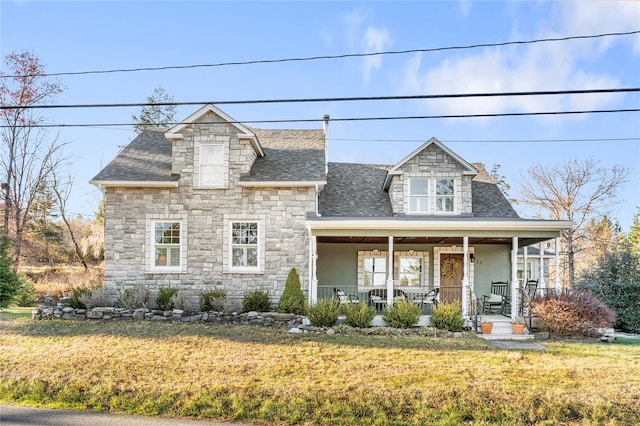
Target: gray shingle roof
(146, 159)
(354, 190)
(290, 155)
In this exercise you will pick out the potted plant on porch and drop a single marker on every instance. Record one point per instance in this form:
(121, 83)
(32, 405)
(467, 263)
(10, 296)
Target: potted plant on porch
(486, 326)
(517, 325)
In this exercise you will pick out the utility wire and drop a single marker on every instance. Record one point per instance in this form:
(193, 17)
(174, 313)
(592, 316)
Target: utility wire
(326, 57)
(312, 120)
(338, 99)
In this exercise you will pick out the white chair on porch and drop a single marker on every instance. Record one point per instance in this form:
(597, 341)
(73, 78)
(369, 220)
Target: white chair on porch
(345, 298)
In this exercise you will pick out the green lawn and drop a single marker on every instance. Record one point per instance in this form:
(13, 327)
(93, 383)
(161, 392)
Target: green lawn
(266, 376)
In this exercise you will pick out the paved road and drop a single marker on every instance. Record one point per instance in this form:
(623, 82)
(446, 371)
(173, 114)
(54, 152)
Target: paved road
(12, 415)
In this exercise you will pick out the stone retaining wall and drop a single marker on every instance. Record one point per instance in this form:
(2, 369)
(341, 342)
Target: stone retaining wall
(272, 319)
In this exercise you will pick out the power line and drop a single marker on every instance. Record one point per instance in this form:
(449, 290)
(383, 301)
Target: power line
(327, 57)
(490, 140)
(382, 118)
(337, 99)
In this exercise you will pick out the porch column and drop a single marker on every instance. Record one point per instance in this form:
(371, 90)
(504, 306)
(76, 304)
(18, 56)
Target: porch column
(525, 258)
(556, 284)
(541, 282)
(390, 274)
(514, 278)
(465, 276)
(313, 263)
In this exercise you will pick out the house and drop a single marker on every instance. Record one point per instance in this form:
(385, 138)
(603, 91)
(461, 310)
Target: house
(212, 203)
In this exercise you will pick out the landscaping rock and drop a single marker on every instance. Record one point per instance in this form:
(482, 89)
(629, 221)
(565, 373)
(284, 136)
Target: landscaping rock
(331, 332)
(49, 300)
(93, 314)
(295, 330)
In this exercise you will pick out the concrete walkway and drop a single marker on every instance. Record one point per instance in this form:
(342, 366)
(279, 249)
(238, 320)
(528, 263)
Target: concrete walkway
(11, 415)
(516, 344)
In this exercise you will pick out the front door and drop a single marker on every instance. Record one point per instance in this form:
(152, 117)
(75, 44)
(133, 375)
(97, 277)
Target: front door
(451, 273)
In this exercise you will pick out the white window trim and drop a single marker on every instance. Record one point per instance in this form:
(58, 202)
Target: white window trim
(151, 227)
(228, 257)
(428, 196)
(424, 278)
(198, 165)
(431, 197)
(361, 256)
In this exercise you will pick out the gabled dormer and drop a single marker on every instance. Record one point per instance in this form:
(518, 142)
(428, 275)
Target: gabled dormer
(212, 150)
(432, 180)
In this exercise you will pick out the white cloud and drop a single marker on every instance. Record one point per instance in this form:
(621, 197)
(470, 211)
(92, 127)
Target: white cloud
(534, 67)
(374, 40)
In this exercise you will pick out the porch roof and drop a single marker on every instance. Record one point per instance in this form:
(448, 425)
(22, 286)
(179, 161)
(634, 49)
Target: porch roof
(435, 230)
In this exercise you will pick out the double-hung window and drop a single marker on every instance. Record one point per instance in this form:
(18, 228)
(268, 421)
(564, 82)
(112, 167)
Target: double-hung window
(410, 271)
(445, 195)
(418, 195)
(244, 245)
(212, 164)
(166, 245)
(375, 271)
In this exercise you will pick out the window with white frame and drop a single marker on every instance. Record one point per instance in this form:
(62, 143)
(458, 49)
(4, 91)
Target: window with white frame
(445, 195)
(211, 164)
(418, 195)
(374, 271)
(244, 245)
(410, 271)
(166, 245)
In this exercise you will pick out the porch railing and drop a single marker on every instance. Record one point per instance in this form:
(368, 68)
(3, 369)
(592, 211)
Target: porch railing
(376, 297)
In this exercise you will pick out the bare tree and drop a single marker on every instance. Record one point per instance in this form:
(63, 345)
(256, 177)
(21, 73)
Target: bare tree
(28, 156)
(158, 114)
(574, 190)
(61, 191)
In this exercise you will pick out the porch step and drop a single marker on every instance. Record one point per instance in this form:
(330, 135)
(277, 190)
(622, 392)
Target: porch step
(502, 330)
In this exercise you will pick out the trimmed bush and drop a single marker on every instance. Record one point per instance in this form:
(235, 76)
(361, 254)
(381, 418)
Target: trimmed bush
(447, 316)
(324, 313)
(572, 313)
(138, 296)
(179, 301)
(165, 295)
(256, 300)
(402, 314)
(292, 299)
(359, 314)
(214, 300)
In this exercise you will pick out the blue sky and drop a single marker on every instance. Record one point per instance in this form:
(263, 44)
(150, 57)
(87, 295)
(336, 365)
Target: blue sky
(80, 36)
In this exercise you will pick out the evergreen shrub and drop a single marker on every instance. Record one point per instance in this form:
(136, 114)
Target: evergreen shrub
(164, 300)
(447, 316)
(292, 299)
(257, 300)
(359, 314)
(214, 300)
(324, 313)
(402, 314)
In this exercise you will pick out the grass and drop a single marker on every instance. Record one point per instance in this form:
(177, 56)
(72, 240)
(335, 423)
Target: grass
(267, 376)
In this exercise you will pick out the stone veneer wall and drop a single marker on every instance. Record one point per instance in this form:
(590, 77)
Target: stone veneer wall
(433, 163)
(202, 212)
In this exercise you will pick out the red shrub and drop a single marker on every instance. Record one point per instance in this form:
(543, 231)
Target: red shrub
(572, 313)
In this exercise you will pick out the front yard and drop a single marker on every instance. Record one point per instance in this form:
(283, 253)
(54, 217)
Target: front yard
(266, 376)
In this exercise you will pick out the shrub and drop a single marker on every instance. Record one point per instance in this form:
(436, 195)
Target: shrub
(78, 294)
(359, 314)
(95, 298)
(178, 301)
(28, 295)
(256, 300)
(324, 313)
(402, 314)
(448, 316)
(292, 299)
(615, 279)
(164, 299)
(214, 300)
(9, 279)
(138, 296)
(572, 313)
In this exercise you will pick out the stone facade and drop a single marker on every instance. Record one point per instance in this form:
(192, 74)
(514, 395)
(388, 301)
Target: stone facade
(432, 163)
(204, 214)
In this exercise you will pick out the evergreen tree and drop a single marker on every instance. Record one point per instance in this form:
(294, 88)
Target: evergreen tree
(156, 115)
(634, 233)
(10, 283)
(292, 300)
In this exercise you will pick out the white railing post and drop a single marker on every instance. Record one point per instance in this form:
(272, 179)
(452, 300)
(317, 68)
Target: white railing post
(514, 278)
(465, 276)
(390, 274)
